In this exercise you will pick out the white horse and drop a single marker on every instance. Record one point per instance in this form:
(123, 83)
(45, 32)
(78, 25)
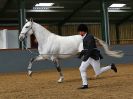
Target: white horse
(54, 47)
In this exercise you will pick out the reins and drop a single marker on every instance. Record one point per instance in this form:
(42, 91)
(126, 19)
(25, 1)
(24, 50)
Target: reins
(31, 52)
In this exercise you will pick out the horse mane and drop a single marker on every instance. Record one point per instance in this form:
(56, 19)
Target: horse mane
(45, 29)
(42, 27)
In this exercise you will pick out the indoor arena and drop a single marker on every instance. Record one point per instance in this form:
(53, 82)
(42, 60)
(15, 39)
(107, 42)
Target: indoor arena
(66, 49)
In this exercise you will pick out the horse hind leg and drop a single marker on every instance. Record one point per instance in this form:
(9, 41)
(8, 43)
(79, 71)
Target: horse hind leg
(61, 79)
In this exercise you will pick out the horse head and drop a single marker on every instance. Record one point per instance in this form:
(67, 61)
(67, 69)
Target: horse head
(27, 29)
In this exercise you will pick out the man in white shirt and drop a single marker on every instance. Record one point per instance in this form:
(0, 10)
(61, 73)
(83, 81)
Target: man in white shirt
(90, 56)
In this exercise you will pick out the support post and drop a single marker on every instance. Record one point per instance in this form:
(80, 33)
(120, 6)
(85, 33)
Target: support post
(105, 21)
(22, 19)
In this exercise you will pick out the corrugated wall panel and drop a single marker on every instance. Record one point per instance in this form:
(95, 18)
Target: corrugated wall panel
(126, 31)
(69, 30)
(112, 34)
(95, 30)
(52, 28)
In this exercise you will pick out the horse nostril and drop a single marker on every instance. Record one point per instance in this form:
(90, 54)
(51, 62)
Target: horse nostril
(21, 38)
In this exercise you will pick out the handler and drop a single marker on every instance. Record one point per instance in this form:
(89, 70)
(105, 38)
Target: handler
(90, 56)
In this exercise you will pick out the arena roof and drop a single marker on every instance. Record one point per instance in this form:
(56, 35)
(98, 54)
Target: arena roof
(64, 11)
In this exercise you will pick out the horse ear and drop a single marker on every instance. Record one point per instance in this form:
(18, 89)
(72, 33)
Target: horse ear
(26, 20)
(31, 19)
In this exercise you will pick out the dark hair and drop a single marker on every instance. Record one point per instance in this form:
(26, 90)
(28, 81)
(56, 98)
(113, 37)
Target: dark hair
(82, 27)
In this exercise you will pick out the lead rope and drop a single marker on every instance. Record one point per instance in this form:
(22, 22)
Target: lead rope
(31, 52)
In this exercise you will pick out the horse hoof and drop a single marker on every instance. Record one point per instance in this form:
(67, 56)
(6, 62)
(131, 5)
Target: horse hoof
(30, 73)
(61, 80)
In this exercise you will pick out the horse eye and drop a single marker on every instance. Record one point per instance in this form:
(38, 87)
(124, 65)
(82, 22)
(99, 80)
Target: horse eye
(27, 27)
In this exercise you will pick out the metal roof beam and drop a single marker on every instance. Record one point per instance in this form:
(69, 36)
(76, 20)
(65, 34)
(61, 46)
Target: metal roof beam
(4, 6)
(70, 11)
(60, 1)
(75, 11)
(125, 19)
(47, 21)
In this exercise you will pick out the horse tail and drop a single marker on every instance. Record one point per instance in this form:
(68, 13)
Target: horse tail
(117, 54)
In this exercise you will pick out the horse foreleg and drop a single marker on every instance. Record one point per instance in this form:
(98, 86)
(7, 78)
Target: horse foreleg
(31, 62)
(30, 66)
(59, 70)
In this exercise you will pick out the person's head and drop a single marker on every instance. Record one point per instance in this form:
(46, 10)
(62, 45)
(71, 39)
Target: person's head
(82, 29)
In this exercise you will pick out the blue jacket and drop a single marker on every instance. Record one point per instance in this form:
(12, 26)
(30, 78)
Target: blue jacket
(90, 48)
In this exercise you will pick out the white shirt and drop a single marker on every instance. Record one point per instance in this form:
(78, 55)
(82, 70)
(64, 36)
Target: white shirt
(84, 36)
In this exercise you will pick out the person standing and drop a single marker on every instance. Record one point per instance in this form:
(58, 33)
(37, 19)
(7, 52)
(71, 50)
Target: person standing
(90, 55)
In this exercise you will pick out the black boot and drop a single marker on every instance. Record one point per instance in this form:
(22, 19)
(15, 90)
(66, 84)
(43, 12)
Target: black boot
(83, 87)
(113, 67)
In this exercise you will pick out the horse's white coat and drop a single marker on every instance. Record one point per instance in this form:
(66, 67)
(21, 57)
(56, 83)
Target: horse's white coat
(55, 45)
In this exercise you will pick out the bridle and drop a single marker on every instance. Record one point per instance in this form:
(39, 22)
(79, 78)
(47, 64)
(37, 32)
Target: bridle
(29, 30)
(25, 34)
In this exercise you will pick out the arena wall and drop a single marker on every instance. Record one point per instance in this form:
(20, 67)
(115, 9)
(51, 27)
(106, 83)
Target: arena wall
(125, 31)
(17, 60)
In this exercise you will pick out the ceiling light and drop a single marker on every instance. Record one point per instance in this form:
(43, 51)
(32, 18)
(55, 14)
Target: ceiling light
(117, 5)
(44, 4)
